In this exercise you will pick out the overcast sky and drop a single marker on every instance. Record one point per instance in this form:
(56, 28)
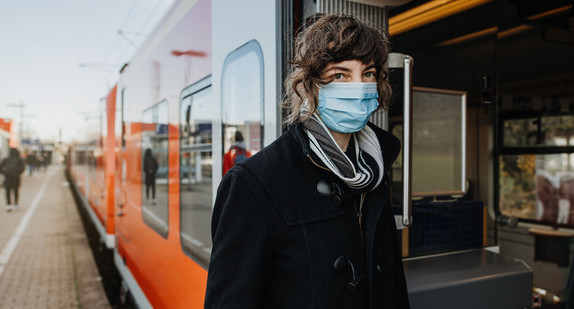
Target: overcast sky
(60, 57)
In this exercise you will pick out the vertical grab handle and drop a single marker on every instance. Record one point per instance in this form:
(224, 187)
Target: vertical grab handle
(405, 62)
(407, 138)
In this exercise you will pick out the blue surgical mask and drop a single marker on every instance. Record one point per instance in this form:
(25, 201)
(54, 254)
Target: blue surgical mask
(346, 107)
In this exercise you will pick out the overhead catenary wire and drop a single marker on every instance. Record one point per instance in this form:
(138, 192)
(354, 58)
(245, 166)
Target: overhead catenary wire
(134, 13)
(142, 29)
(122, 47)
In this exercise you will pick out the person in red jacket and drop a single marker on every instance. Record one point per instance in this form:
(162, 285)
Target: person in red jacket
(236, 153)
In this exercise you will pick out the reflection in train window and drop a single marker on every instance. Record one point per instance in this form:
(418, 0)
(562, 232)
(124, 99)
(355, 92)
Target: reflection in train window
(551, 130)
(120, 124)
(101, 158)
(154, 151)
(94, 158)
(536, 167)
(196, 166)
(538, 187)
(242, 104)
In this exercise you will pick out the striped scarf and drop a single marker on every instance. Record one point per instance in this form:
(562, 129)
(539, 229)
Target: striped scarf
(369, 171)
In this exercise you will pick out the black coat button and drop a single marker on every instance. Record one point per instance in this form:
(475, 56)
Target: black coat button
(327, 188)
(324, 188)
(343, 265)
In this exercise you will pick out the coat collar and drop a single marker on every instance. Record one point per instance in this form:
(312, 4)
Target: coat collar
(390, 144)
(274, 167)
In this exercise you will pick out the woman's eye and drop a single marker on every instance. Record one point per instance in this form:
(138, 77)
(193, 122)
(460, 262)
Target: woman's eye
(369, 74)
(338, 76)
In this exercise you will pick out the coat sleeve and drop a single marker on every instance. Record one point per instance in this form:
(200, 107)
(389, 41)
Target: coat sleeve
(242, 248)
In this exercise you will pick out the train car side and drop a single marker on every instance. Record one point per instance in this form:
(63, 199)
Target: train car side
(149, 242)
(91, 166)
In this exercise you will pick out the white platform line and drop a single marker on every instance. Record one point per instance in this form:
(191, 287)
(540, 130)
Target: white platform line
(19, 231)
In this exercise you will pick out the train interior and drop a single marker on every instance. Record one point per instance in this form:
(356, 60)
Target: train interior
(511, 61)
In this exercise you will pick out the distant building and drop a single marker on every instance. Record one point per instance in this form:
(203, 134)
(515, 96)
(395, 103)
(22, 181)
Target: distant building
(8, 132)
(8, 136)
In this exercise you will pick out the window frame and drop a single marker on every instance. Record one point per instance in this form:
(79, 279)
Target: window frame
(192, 90)
(250, 46)
(154, 110)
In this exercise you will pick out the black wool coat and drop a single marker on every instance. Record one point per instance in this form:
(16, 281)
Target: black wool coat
(12, 180)
(279, 243)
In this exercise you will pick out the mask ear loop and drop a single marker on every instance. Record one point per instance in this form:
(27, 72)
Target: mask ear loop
(304, 111)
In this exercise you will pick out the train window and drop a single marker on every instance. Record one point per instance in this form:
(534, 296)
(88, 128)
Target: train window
(154, 149)
(539, 131)
(120, 124)
(95, 172)
(438, 143)
(536, 167)
(242, 104)
(196, 166)
(100, 150)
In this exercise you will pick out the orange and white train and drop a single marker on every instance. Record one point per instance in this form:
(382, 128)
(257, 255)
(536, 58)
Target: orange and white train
(212, 68)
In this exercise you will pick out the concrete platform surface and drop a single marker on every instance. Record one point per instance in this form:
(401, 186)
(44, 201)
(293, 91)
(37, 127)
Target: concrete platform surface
(45, 259)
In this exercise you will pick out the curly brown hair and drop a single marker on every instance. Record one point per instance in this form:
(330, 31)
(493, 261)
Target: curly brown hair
(333, 38)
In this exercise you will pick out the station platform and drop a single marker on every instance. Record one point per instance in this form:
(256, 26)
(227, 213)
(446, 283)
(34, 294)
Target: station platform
(45, 259)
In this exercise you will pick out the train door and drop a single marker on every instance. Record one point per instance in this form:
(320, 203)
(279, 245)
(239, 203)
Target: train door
(246, 79)
(108, 185)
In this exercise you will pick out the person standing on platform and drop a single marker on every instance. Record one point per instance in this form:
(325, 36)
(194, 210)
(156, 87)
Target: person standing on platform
(307, 222)
(12, 167)
(31, 162)
(150, 169)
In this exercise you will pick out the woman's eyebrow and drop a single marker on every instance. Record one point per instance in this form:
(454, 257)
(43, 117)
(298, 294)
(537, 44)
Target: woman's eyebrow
(345, 69)
(339, 68)
(369, 67)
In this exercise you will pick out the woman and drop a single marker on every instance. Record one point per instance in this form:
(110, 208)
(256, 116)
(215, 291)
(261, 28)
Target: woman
(12, 167)
(307, 221)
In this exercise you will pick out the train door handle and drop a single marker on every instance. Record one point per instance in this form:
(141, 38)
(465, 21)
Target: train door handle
(397, 60)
